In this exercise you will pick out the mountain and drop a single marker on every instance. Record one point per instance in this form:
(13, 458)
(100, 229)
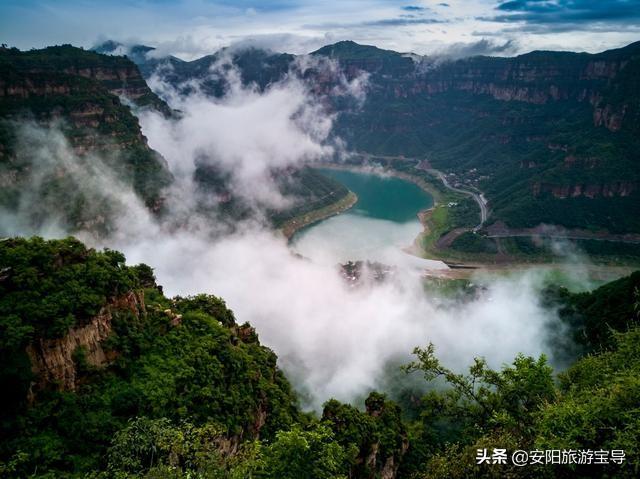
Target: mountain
(82, 95)
(141, 55)
(550, 137)
(368, 58)
(104, 376)
(88, 97)
(542, 134)
(255, 65)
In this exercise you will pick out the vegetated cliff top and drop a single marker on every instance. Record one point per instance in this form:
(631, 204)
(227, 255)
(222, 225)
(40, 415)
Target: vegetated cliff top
(102, 372)
(103, 375)
(83, 95)
(122, 326)
(118, 74)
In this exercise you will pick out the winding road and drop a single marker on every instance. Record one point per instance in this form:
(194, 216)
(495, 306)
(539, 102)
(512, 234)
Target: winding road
(479, 198)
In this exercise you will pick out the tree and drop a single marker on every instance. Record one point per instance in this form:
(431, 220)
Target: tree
(309, 454)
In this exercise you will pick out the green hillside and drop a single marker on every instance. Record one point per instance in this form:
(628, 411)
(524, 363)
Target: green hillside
(542, 134)
(76, 93)
(106, 377)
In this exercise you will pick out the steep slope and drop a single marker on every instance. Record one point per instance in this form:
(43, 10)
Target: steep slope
(105, 376)
(95, 343)
(541, 134)
(255, 65)
(307, 190)
(80, 95)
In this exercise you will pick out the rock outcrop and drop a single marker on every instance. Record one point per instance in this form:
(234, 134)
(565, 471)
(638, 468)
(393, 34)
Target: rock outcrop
(86, 97)
(54, 362)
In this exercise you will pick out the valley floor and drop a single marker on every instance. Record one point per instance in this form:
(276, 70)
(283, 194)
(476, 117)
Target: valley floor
(441, 231)
(295, 224)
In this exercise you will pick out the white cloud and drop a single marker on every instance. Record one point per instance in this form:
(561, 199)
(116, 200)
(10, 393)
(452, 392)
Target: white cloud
(332, 340)
(295, 27)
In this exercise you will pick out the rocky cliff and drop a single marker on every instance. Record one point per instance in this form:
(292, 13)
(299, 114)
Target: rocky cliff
(533, 131)
(84, 96)
(485, 115)
(118, 75)
(55, 362)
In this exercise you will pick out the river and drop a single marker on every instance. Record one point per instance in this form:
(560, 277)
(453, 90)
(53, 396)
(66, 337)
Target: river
(379, 227)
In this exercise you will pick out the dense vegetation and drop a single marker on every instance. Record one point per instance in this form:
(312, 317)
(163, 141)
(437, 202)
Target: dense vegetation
(182, 360)
(529, 149)
(188, 392)
(310, 190)
(542, 133)
(75, 93)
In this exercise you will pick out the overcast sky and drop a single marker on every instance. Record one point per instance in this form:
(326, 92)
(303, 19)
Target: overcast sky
(192, 28)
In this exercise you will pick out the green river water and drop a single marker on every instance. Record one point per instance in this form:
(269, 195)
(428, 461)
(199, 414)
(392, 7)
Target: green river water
(383, 197)
(378, 227)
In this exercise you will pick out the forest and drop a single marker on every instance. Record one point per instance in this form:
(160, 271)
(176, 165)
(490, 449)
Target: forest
(181, 389)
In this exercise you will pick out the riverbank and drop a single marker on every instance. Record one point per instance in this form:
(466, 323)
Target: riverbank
(439, 195)
(291, 226)
(433, 191)
(440, 226)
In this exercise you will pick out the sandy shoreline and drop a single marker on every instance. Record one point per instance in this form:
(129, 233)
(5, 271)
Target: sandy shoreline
(464, 269)
(293, 225)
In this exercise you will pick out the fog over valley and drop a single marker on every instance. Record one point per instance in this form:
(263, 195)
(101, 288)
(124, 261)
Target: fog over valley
(331, 339)
(319, 240)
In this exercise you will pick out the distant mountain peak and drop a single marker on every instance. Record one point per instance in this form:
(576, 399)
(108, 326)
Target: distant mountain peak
(138, 53)
(348, 49)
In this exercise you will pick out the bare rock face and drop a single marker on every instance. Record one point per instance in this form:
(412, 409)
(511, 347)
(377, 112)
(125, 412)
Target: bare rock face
(53, 360)
(604, 190)
(609, 117)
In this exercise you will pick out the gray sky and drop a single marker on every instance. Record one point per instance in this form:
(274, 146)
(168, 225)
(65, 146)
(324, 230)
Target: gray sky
(191, 28)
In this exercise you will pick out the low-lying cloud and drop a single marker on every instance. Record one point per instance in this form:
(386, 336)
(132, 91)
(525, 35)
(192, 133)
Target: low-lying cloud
(247, 134)
(484, 47)
(332, 340)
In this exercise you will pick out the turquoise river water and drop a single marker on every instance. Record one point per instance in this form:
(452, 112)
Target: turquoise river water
(380, 226)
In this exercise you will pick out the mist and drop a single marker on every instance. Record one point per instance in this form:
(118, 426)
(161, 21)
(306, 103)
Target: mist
(246, 134)
(332, 340)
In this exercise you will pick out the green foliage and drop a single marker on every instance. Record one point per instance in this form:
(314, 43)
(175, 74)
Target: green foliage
(184, 369)
(312, 454)
(145, 444)
(191, 394)
(508, 399)
(194, 371)
(209, 304)
(594, 316)
(599, 406)
(482, 409)
(369, 438)
(528, 154)
(595, 407)
(49, 286)
(471, 242)
(46, 288)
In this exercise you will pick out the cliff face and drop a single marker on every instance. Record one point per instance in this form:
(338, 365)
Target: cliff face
(539, 129)
(54, 362)
(118, 75)
(83, 95)
(597, 190)
(484, 114)
(537, 78)
(379, 434)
